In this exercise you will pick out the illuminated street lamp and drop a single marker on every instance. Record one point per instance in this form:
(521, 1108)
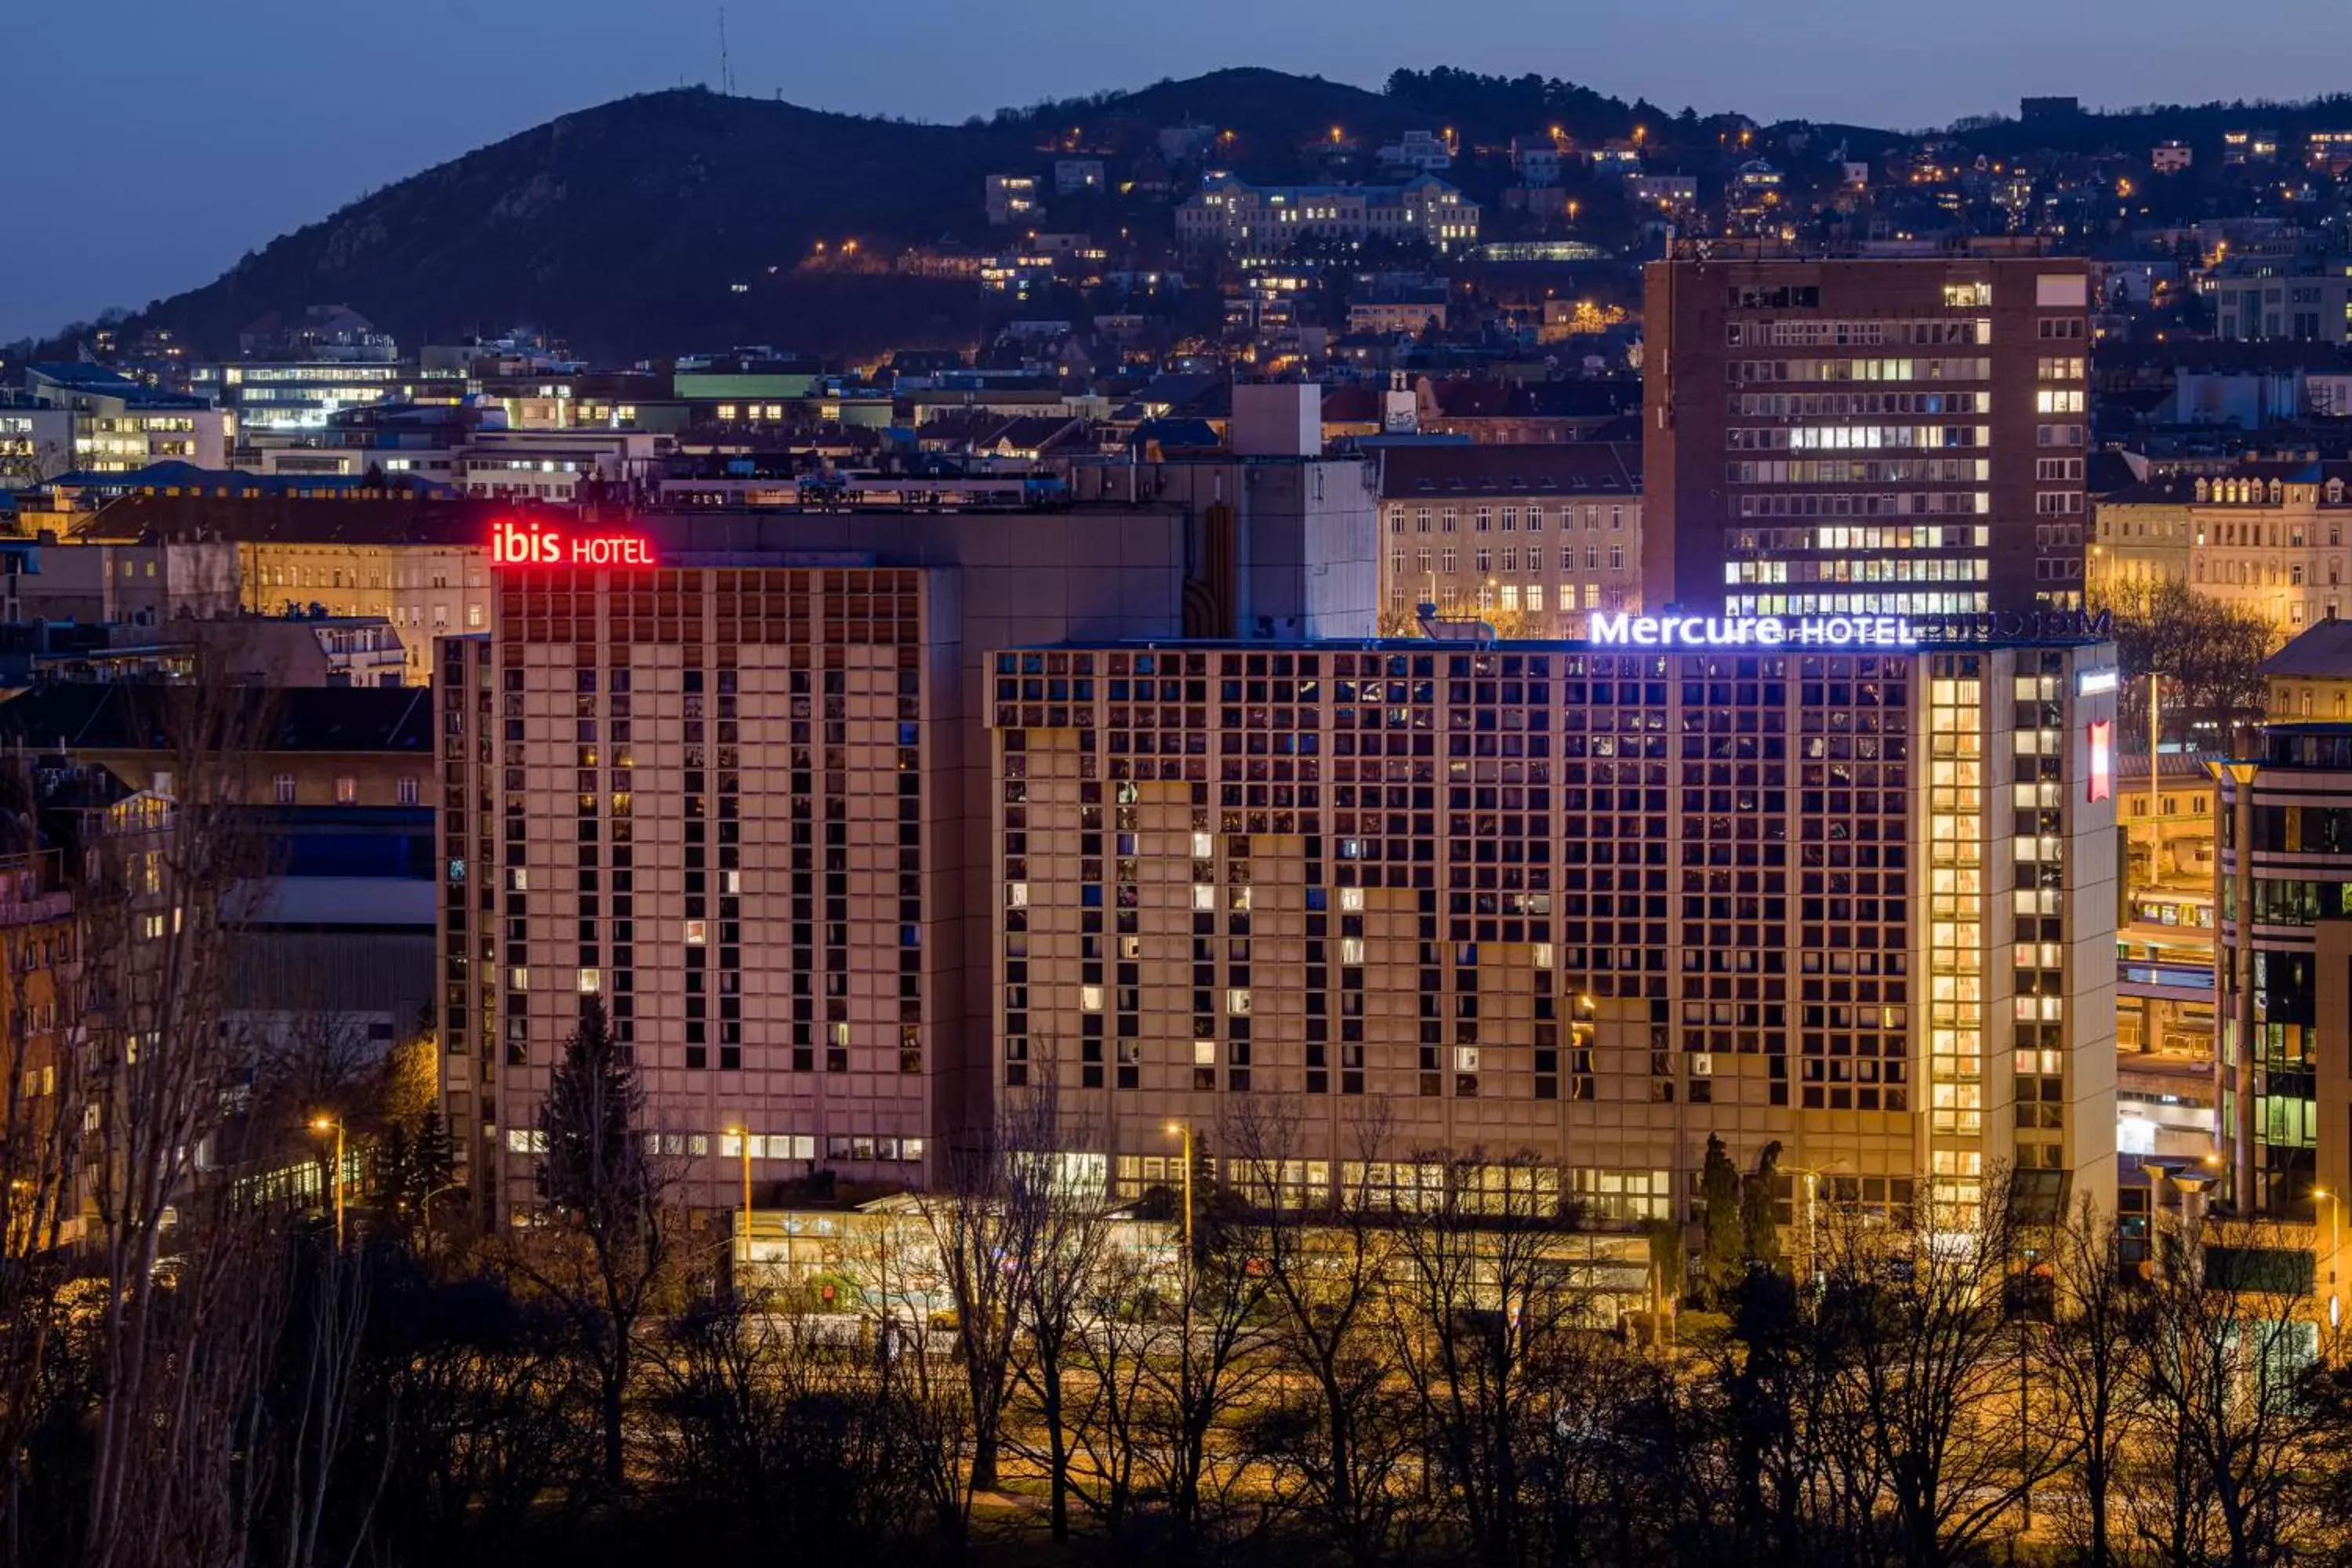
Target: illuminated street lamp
(2334, 1243)
(1184, 1130)
(324, 1123)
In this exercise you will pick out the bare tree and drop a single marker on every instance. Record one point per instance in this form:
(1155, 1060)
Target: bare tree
(1324, 1258)
(1128, 1310)
(1208, 1370)
(1935, 1361)
(1054, 1288)
(2225, 1374)
(924, 1388)
(985, 1227)
(2207, 654)
(1485, 1301)
(2095, 1340)
(165, 887)
(42, 1096)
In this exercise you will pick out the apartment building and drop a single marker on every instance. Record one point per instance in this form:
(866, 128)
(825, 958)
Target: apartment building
(1591, 901)
(1528, 537)
(2140, 539)
(2269, 536)
(1257, 223)
(725, 774)
(422, 566)
(1881, 436)
(2311, 676)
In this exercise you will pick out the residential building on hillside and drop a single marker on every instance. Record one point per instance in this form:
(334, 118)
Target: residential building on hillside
(1078, 178)
(1896, 436)
(1256, 222)
(1422, 151)
(1528, 537)
(1012, 199)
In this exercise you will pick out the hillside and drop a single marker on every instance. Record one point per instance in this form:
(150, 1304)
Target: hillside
(680, 220)
(624, 228)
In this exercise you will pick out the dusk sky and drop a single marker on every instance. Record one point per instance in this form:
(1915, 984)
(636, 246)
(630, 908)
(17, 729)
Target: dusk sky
(159, 140)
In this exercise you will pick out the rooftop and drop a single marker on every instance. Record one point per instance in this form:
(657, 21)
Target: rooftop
(130, 716)
(2322, 651)
(1555, 468)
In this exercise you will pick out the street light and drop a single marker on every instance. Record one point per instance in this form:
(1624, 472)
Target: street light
(2334, 1243)
(1813, 1174)
(743, 1147)
(1184, 1130)
(322, 1123)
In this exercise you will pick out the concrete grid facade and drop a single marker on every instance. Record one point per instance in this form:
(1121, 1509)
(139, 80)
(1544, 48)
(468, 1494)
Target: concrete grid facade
(709, 796)
(1587, 904)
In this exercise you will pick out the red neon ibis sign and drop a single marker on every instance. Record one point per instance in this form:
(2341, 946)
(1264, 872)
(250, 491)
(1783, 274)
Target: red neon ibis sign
(536, 544)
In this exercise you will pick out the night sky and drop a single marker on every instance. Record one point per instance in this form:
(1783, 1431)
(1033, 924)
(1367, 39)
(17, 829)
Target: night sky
(155, 141)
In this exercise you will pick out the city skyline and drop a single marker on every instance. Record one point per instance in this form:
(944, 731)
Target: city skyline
(953, 64)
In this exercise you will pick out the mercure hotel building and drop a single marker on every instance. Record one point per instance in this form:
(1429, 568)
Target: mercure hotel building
(1592, 901)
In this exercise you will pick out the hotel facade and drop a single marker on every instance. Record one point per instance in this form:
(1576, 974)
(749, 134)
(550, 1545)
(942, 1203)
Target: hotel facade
(1591, 902)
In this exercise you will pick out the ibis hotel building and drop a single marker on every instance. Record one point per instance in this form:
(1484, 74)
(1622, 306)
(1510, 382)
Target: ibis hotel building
(1812, 883)
(723, 773)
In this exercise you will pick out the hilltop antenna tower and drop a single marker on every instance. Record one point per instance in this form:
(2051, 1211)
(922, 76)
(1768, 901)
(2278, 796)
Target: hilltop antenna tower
(726, 73)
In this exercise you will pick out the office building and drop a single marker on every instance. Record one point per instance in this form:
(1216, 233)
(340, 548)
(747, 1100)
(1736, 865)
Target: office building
(87, 419)
(2282, 968)
(268, 395)
(1864, 436)
(2268, 297)
(1529, 538)
(726, 773)
(1592, 901)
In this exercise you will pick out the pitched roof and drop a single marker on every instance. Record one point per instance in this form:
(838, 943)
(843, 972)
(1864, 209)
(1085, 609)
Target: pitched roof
(1546, 469)
(2321, 651)
(152, 518)
(139, 716)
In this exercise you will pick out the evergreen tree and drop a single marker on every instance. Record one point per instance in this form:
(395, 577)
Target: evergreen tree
(1722, 1256)
(1759, 1230)
(607, 1194)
